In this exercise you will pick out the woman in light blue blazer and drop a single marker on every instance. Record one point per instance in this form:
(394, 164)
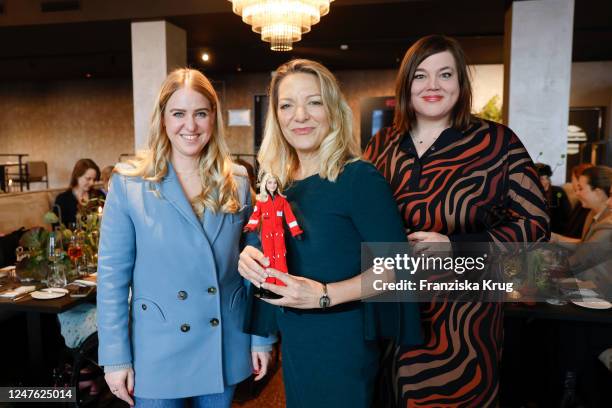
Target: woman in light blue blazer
(171, 233)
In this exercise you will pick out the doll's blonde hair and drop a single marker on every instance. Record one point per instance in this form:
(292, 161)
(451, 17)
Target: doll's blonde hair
(338, 148)
(263, 192)
(219, 190)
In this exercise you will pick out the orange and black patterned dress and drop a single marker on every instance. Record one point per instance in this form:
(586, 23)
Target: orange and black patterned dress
(459, 188)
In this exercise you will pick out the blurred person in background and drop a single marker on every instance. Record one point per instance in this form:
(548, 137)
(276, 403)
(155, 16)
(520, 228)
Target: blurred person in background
(557, 202)
(105, 176)
(80, 190)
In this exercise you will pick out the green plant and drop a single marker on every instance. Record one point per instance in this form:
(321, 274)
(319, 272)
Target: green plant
(35, 242)
(492, 110)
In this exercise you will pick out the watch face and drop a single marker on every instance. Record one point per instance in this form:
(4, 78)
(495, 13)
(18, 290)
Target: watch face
(324, 302)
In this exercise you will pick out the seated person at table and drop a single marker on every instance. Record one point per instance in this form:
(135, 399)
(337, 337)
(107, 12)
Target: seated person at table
(579, 215)
(593, 191)
(80, 191)
(80, 322)
(105, 176)
(76, 325)
(558, 206)
(593, 260)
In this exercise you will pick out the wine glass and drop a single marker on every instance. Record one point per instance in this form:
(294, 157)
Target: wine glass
(75, 251)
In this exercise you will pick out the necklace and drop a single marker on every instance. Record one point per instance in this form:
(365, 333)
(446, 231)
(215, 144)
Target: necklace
(420, 141)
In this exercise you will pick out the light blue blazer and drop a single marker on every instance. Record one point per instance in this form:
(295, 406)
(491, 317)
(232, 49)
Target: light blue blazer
(183, 333)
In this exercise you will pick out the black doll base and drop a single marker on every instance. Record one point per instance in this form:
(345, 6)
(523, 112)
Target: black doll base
(265, 294)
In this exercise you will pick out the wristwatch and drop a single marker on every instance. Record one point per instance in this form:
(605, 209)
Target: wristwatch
(324, 300)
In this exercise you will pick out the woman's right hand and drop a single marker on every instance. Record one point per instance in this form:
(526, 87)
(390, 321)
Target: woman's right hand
(250, 265)
(121, 384)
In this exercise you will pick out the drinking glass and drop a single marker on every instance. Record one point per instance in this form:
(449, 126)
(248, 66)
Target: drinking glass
(57, 275)
(75, 251)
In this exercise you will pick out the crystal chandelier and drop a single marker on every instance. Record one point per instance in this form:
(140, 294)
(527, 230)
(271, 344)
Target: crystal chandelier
(281, 22)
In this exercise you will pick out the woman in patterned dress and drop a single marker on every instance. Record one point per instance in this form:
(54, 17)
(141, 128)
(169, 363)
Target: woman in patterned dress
(451, 173)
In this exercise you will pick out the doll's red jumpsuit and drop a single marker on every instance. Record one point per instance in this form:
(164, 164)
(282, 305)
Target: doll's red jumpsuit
(271, 213)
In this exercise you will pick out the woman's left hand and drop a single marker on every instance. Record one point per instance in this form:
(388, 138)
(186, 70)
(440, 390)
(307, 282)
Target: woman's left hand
(261, 361)
(300, 293)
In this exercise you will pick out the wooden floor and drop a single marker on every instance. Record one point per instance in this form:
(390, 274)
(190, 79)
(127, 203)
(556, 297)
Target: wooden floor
(273, 396)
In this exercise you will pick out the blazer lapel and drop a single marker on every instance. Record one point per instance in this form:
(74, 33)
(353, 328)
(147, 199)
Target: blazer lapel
(601, 220)
(172, 191)
(213, 224)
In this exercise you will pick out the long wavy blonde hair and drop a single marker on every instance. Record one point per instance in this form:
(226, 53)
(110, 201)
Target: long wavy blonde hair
(219, 190)
(339, 147)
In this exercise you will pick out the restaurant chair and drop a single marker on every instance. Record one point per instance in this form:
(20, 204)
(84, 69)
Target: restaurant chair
(35, 172)
(85, 356)
(3, 179)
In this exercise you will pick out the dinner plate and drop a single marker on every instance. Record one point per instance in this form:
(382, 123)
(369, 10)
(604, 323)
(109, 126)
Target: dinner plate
(584, 293)
(593, 303)
(40, 295)
(55, 290)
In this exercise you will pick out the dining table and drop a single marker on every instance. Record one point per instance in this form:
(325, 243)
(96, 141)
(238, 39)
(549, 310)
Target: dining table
(543, 342)
(33, 310)
(565, 312)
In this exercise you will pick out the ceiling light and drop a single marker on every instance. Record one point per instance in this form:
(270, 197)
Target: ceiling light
(205, 57)
(281, 22)
(343, 47)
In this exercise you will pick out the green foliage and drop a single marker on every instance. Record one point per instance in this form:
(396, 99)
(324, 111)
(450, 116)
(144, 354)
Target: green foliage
(50, 218)
(492, 110)
(35, 241)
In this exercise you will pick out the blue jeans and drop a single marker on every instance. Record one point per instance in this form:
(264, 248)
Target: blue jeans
(222, 400)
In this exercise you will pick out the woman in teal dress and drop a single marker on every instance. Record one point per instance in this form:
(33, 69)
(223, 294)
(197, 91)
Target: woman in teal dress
(329, 337)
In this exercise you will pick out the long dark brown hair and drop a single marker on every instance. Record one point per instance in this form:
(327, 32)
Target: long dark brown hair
(80, 168)
(405, 116)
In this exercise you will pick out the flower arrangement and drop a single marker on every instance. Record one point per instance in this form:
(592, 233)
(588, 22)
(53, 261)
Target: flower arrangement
(68, 247)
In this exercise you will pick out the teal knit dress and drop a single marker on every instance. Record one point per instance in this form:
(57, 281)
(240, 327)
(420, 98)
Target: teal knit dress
(328, 358)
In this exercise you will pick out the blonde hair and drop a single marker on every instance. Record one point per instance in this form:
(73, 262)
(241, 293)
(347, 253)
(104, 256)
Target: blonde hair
(339, 147)
(263, 192)
(219, 190)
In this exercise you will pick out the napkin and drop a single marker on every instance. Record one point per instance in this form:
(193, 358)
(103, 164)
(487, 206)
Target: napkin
(84, 282)
(22, 290)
